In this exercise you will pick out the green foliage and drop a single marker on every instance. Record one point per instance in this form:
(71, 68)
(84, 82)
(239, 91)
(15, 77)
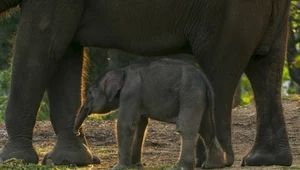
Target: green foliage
(293, 55)
(43, 113)
(8, 28)
(285, 74)
(296, 63)
(4, 89)
(291, 88)
(247, 94)
(295, 15)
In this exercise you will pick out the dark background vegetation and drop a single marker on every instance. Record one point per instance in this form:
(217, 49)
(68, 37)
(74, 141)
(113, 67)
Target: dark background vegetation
(101, 59)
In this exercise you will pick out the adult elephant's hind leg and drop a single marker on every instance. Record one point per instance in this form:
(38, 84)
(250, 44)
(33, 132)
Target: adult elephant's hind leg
(214, 154)
(271, 145)
(64, 93)
(223, 76)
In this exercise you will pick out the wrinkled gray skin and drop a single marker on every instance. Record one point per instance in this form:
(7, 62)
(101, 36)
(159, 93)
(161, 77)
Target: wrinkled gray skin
(226, 37)
(166, 90)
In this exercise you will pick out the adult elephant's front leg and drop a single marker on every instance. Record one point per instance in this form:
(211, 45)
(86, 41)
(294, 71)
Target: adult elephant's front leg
(64, 92)
(28, 82)
(41, 42)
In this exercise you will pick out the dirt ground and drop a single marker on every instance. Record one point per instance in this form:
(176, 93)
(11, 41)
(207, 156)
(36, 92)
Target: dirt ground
(162, 143)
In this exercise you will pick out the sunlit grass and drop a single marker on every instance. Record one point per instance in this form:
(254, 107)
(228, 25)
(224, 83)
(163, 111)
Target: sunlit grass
(16, 164)
(42, 151)
(291, 97)
(109, 116)
(106, 151)
(291, 167)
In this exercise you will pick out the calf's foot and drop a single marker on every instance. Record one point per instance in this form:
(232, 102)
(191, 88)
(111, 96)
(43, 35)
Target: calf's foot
(20, 149)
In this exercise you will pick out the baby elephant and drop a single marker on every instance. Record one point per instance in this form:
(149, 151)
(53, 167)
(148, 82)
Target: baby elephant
(166, 90)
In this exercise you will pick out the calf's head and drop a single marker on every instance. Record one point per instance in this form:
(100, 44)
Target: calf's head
(102, 96)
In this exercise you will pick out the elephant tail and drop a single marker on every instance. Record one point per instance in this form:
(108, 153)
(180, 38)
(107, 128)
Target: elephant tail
(210, 104)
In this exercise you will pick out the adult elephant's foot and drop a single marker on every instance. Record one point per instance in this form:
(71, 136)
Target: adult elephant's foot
(20, 149)
(214, 161)
(229, 158)
(260, 156)
(68, 152)
(222, 160)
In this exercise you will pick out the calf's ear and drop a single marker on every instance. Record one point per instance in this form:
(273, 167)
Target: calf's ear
(114, 82)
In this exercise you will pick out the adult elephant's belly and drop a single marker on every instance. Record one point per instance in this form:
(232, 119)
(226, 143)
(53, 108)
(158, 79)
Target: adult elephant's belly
(143, 27)
(141, 42)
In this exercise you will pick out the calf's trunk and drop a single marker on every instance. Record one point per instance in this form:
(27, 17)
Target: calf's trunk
(83, 114)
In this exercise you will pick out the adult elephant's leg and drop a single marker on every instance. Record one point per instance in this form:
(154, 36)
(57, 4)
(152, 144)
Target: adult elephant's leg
(214, 155)
(27, 87)
(271, 145)
(223, 76)
(223, 107)
(64, 92)
(200, 152)
(41, 42)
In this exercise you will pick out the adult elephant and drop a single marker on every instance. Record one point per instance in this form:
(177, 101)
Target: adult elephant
(227, 37)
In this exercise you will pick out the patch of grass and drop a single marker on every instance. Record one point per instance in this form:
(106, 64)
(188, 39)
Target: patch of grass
(291, 97)
(42, 151)
(290, 167)
(159, 167)
(163, 167)
(109, 116)
(295, 167)
(106, 151)
(16, 164)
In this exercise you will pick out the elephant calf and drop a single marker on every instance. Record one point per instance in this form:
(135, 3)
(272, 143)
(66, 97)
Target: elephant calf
(165, 90)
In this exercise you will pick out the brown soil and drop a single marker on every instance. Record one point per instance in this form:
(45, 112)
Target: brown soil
(162, 143)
